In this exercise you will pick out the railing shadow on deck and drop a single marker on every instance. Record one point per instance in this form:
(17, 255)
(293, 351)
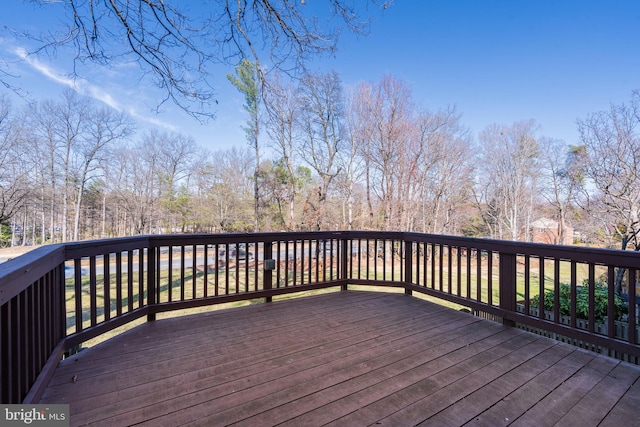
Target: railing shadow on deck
(56, 297)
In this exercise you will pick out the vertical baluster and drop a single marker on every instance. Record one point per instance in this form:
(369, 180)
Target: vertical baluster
(21, 343)
(153, 260)
(169, 273)
(29, 332)
(130, 280)
(632, 305)
(479, 275)
(267, 251)
(289, 266)
(440, 250)
(141, 270)
(205, 271)
(592, 298)
(468, 250)
(106, 274)
(6, 367)
(490, 277)
(392, 252)
(216, 279)
(255, 263)
(182, 272)
(425, 263)
(194, 271)
(77, 278)
(281, 271)
(237, 268)
(418, 276)
(317, 269)
(433, 266)
(459, 271)
(295, 263)
(226, 269)
(611, 302)
(574, 294)
(93, 290)
(449, 270)
(556, 290)
(541, 288)
(36, 337)
(384, 259)
(368, 269)
(527, 284)
(118, 283)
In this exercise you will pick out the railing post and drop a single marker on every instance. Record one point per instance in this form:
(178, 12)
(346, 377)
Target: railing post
(408, 265)
(151, 281)
(267, 270)
(345, 256)
(507, 284)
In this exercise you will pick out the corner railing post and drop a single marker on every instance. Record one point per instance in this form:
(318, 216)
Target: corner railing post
(344, 262)
(267, 270)
(408, 266)
(151, 282)
(507, 284)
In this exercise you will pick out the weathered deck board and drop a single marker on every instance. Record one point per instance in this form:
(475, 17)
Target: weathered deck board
(344, 359)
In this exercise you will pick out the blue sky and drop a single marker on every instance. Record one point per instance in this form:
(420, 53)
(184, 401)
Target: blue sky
(498, 61)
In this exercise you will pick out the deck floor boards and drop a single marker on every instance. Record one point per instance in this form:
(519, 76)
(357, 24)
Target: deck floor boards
(343, 359)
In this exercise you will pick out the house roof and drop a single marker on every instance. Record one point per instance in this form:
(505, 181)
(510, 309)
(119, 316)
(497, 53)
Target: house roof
(545, 223)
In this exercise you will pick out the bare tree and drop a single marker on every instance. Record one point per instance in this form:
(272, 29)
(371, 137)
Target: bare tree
(175, 155)
(14, 186)
(104, 128)
(389, 154)
(562, 179)
(612, 143)
(230, 191)
(69, 143)
(69, 119)
(43, 148)
(175, 43)
(361, 128)
(508, 169)
(202, 179)
(151, 181)
(131, 173)
(322, 124)
(445, 178)
(353, 162)
(282, 106)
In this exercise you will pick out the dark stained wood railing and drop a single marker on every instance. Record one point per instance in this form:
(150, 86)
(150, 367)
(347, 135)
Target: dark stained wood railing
(57, 297)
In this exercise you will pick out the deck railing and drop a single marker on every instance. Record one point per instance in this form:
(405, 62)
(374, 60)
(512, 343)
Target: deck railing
(57, 297)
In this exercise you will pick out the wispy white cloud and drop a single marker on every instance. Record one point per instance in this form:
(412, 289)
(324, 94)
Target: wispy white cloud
(87, 88)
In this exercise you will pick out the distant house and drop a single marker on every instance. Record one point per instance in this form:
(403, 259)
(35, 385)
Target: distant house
(545, 230)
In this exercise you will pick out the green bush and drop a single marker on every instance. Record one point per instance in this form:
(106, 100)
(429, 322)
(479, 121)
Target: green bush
(5, 235)
(582, 302)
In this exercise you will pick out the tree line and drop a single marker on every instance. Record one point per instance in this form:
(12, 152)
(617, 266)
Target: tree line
(319, 157)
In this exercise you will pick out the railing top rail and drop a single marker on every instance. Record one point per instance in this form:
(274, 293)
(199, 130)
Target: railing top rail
(18, 273)
(616, 257)
(176, 239)
(145, 283)
(99, 247)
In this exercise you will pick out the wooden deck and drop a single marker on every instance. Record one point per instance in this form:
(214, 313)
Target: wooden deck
(342, 359)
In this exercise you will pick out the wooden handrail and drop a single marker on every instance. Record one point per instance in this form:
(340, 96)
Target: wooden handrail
(43, 310)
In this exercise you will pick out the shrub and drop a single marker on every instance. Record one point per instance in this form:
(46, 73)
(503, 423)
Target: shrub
(582, 302)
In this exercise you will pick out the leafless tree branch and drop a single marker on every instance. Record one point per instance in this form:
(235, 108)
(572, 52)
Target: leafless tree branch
(175, 46)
